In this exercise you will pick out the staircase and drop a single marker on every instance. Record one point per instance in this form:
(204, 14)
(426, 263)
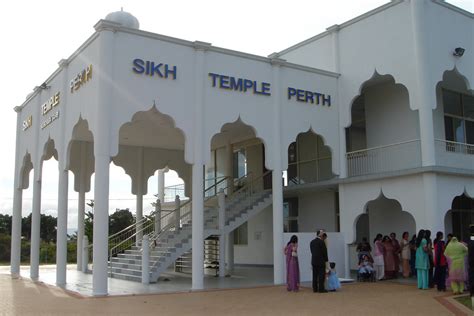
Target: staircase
(172, 241)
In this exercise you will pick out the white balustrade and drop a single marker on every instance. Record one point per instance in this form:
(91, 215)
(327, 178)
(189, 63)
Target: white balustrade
(393, 157)
(454, 155)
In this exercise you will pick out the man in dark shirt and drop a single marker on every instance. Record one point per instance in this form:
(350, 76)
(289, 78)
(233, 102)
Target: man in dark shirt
(319, 257)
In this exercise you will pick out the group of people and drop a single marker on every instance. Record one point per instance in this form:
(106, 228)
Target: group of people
(323, 270)
(433, 262)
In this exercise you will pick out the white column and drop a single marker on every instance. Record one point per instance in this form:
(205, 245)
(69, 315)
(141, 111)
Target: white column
(16, 232)
(139, 217)
(230, 252)
(139, 214)
(198, 169)
(61, 239)
(197, 228)
(221, 200)
(101, 225)
(161, 185)
(15, 253)
(102, 150)
(277, 192)
(157, 217)
(426, 98)
(277, 185)
(145, 260)
(81, 204)
(229, 172)
(177, 205)
(85, 254)
(35, 225)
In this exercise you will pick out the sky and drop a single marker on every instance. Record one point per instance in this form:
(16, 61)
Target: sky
(37, 34)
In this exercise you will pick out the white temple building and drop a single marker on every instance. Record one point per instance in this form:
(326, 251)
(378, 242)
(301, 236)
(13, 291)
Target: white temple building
(365, 128)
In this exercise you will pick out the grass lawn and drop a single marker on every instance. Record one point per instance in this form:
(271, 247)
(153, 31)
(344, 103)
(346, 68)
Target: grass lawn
(465, 300)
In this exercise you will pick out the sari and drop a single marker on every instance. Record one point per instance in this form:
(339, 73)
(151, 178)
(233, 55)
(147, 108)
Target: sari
(390, 260)
(292, 268)
(455, 254)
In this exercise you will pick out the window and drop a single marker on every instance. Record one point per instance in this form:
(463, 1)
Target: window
(241, 235)
(458, 117)
(239, 163)
(290, 215)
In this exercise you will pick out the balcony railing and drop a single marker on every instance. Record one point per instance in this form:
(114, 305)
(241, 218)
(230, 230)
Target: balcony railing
(453, 154)
(399, 156)
(309, 171)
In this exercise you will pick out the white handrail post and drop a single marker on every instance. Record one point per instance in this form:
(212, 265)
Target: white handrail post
(221, 201)
(177, 206)
(145, 260)
(157, 217)
(85, 254)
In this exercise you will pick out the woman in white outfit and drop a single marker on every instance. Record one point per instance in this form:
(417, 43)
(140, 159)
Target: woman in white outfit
(378, 258)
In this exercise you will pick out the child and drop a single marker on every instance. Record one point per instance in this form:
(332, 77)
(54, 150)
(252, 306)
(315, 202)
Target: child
(365, 267)
(333, 280)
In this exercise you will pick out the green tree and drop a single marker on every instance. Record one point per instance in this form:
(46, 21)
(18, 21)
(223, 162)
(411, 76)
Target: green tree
(120, 219)
(5, 224)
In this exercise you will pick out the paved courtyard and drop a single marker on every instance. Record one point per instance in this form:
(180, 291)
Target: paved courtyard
(24, 297)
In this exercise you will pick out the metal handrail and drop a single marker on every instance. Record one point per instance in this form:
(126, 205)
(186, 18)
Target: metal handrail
(383, 146)
(155, 236)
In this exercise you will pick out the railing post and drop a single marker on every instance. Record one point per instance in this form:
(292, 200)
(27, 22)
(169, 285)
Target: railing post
(157, 217)
(221, 200)
(85, 254)
(145, 260)
(177, 205)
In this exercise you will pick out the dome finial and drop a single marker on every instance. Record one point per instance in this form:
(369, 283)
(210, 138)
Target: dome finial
(124, 18)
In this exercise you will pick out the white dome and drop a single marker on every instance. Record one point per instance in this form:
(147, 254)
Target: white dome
(124, 18)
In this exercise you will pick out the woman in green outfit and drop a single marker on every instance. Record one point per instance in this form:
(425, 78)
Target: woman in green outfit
(455, 253)
(422, 263)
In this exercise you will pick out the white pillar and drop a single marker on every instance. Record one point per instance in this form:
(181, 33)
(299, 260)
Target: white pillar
(85, 254)
(198, 168)
(229, 172)
(230, 252)
(15, 254)
(197, 228)
(145, 260)
(425, 93)
(81, 202)
(277, 185)
(61, 239)
(16, 233)
(81, 205)
(139, 213)
(277, 195)
(221, 200)
(157, 217)
(161, 185)
(35, 225)
(177, 205)
(139, 217)
(101, 226)
(102, 152)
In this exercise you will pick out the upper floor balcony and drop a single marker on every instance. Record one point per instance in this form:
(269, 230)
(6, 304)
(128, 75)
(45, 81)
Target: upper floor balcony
(407, 155)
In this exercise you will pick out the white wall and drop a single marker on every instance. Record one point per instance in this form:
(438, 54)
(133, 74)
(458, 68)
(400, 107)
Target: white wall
(335, 253)
(316, 210)
(386, 216)
(388, 116)
(260, 241)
